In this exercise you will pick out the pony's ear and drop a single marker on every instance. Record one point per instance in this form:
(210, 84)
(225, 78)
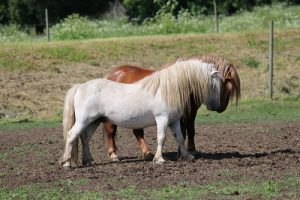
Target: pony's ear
(213, 72)
(216, 73)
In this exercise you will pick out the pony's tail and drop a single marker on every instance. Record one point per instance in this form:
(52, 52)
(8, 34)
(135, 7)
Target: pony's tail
(69, 120)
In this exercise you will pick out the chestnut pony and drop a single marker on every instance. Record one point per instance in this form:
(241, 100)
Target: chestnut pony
(131, 74)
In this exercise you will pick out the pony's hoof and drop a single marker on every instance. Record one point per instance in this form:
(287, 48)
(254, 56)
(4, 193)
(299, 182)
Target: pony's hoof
(148, 156)
(66, 165)
(115, 158)
(191, 147)
(88, 163)
(159, 161)
(190, 157)
(67, 168)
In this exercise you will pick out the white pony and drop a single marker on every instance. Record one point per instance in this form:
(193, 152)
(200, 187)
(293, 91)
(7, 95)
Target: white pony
(159, 99)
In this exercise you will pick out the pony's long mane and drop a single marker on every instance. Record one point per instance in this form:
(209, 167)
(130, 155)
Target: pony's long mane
(178, 81)
(227, 71)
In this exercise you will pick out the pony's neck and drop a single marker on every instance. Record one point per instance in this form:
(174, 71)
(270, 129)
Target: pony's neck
(179, 81)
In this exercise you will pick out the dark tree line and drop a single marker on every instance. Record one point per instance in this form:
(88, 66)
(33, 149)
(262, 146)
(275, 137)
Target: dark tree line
(24, 12)
(141, 10)
(33, 11)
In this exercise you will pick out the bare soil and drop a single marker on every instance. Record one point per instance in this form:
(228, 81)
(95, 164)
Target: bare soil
(225, 152)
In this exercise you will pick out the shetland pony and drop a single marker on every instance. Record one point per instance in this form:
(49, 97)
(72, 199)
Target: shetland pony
(159, 99)
(131, 74)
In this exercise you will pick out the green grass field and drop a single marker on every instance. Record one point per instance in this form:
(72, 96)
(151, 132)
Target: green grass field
(255, 110)
(218, 190)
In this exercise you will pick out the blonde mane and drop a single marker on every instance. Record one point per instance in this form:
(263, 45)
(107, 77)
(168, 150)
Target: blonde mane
(227, 71)
(178, 81)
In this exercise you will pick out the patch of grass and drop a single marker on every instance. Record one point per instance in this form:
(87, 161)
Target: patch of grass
(2, 155)
(283, 16)
(28, 148)
(252, 62)
(229, 173)
(254, 110)
(12, 64)
(12, 32)
(64, 190)
(129, 192)
(263, 189)
(68, 189)
(69, 53)
(27, 124)
(2, 174)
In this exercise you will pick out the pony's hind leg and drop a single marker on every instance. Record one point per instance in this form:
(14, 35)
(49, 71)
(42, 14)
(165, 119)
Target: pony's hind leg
(71, 139)
(87, 159)
(176, 130)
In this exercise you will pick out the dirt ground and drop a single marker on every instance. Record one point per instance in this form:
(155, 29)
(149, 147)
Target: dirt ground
(227, 152)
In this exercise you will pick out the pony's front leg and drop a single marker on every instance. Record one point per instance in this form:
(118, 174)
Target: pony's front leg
(162, 125)
(176, 130)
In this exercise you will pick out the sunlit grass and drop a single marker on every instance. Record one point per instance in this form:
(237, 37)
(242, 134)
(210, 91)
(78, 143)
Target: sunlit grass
(27, 124)
(254, 110)
(36, 76)
(60, 189)
(68, 189)
(216, 190)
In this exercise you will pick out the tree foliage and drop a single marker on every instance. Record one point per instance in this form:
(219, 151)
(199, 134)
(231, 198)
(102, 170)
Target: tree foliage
(142, 9)
(32, 12)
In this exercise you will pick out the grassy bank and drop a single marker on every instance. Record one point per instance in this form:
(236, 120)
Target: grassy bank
(34, 77)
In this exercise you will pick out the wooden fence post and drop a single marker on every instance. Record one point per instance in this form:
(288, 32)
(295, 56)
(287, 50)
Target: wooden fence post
(47, 25)
(216, 16)
(271, 60)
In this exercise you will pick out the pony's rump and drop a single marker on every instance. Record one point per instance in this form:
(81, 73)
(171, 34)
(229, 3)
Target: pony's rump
(69, 112)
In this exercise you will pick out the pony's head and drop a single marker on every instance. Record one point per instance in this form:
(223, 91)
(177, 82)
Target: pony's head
(230, 87)
(213, 100)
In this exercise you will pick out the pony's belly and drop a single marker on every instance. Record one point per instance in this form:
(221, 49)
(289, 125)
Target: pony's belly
(135, 122)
